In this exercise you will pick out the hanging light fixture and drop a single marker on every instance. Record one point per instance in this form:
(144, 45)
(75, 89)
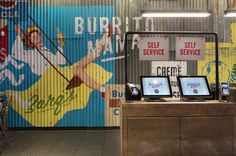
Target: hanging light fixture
(176, 13)
(173, 13)
(230, 13)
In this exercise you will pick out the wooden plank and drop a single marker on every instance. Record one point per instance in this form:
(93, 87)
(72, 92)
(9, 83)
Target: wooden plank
(154, 147)
(124, 127)
(124, 147)
(207, 136)
(139, 109)
(154, 127)
(207, 127)
(124, 136)
(152, 136)
(234, 136)
(207, 146)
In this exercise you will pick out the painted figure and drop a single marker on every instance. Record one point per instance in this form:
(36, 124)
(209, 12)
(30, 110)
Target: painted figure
(80, 75)
(32, 39)
(6, 73)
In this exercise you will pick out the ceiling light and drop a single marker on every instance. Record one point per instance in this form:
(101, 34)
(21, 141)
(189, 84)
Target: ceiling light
(230, 13)
(175, 13)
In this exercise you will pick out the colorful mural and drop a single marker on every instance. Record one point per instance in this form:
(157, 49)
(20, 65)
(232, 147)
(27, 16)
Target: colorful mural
(227, 57)
(35, 74)
(38, 84)
(44, 106)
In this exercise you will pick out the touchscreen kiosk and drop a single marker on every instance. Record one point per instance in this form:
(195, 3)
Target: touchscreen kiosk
(155, 87)
(132, 92)
(194, 87)
(225, 93)
(225, 89)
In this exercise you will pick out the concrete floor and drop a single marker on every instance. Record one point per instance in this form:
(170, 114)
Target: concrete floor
(61, 143)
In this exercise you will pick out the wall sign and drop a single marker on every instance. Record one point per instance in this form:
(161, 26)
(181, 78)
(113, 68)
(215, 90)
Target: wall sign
(12, 9)
(188, 48)
(151, 48)
(171, 69)
(3, 43)
(114, 94)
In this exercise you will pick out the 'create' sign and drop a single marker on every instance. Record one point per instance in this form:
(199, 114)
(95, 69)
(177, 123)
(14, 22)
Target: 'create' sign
(188, 48)
(151, 48)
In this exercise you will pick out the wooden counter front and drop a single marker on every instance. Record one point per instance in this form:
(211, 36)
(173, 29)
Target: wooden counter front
(178, 128)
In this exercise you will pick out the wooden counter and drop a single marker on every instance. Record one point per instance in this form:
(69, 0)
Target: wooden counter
(178, 128)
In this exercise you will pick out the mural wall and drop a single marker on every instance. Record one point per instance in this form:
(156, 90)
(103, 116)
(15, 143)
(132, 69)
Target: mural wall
(50, 85)
(227, 60)
(75, 78)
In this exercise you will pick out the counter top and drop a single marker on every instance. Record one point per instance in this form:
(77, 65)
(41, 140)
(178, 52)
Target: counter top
(178, 108)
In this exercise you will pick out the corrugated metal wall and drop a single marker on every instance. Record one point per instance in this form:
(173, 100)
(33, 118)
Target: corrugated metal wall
(126, 14)
(131, 10)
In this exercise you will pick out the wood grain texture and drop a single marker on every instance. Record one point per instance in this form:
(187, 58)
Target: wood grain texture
(207, 146)
(179, 109)
(178, 129)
